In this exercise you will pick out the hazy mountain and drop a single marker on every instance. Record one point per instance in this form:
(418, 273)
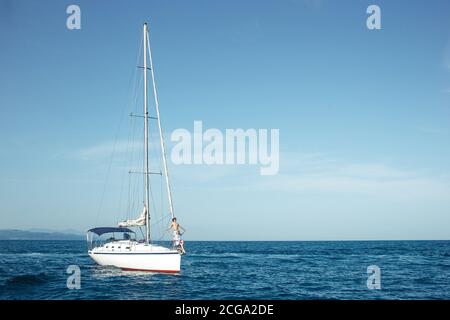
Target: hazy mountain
(68, 231)
(11, 234)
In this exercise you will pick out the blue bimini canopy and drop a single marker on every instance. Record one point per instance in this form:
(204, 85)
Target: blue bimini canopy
(102, 230)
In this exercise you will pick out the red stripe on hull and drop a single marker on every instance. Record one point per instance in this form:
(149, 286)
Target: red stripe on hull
(145, 270)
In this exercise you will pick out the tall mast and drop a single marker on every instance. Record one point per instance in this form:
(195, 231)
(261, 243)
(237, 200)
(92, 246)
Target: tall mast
(146, 172)
(161, 137)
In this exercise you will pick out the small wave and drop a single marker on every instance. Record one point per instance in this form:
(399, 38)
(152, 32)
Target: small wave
(21, 254)
(217, 255)
(110, 272)
(27, 280)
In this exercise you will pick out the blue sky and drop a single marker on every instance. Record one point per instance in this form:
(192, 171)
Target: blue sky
(364, 115)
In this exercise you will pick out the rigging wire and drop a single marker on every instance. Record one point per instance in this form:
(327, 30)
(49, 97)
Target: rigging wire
(130, 143)
(108, 171)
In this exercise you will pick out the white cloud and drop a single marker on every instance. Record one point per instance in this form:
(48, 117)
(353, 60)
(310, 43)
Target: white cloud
(432, 129)
(107, 149)
(317, 173)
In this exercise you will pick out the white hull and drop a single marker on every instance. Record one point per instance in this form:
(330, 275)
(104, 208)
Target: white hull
(130, 255)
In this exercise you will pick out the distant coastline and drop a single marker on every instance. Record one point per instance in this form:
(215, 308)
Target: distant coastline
(13, 234)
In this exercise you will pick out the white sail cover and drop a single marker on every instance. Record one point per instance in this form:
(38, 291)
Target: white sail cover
(136, 222)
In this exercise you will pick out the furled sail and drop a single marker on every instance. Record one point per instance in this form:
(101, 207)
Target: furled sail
(136, 222)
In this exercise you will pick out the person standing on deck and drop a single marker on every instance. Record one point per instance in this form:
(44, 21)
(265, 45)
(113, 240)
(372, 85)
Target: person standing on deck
(176, 233)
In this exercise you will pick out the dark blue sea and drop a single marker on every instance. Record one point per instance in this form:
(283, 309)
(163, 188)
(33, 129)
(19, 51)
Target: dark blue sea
(235, 270)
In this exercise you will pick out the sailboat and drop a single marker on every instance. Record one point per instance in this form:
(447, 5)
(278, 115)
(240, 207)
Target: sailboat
(123, 250)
